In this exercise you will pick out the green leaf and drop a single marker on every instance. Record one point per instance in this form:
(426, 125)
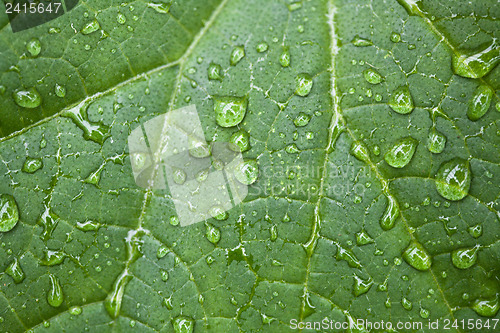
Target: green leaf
(328, 229)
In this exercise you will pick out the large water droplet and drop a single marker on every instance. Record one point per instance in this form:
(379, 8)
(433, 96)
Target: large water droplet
(247, 172)
(91, 27)
(229, 110)
(9, 212)
(417, 257)
(75, 310)
(113, 302)
(480, 102)
(215, 72)
(453, 179)
(55, 294)
(436, 141)
(213, 234)
(240, 141)
(236, 55)
(401, 153)
(464, 258)
(372, 76)
(401, 100)
(15, 271)
(303, 84)
(29, 98)
(359, 41)
(34, 47)
(273, 232)
(53, 258)
(361, 286)
(406, 303)
(487, 307)
(477, 65)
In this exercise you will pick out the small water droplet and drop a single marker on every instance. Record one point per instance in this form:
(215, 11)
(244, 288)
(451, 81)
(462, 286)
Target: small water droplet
(229, 110)
(218, 213)
(480, 102)
(213, 234)
(34, 47)
(395, 37)
(453, 179)
(401, 153)
(274, 232)
(164, 276)
(285, 57)
(236, 55)
(464, 258)
(174, 220)
(88, 226)
(417, 257)
(162, 8)
(292, 149)
(476, 230)
(55, 294)
(262, 47)
(360, 151)
(75, 310)
(29, 98)
(60, 91)
(303, 84)
(401, 100)
(372, 76)
(487, 307)
(121, 19)
(162, 252)
(302, 119)
(215, 72)
(9, 212)
(407, 305)
(53, 258)
(360, 42)
(361, 286)
(179, 176)
(240, 141)
(91, 27)
(436, 141)
(247, 172)
(31, 165)
(15, 271)
(362, 238)
(348, 256)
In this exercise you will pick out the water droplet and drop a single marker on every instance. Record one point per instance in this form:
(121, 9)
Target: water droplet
(296, 5)
(164, 276)
(486, 307)
(476, 230)
(292, 149)
(75, 310)
(436, 141)
(348, 256)
(121, 19)
(31, 165)
(360, 151)
(55, 294)
(477, 65)
(480, 102)
(97, 132)
(401, 153)
(407, 305)
(360, 42)
(162, 252)
(15, 271)
(91, 27)
(417, 257)
(236, 55)
(132, 323)
(372, 76)
(53, 258)
(240, 141)
(303, 84)
(174, 220)
(262, 47)
(95, 176)
(198, 147)
(412, 46)
(274, 232)
(218, 213)
(395, 37)
(213, 234)
(362, 238)
(285, 58)
(88, 226)
(230, 111)
(9, 212)
(29, 98)
(361, 286)
(113, 302)
(179, 176)
(54, 31)
(247, 172)
(453, 179)
(215, 72)
(464, 258)
(161, 8)
(60, 91)
(34, 47)
(302, 119)
(401, 100)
